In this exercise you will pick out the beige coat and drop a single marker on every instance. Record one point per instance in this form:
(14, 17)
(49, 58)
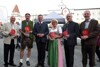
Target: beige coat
(6, 30)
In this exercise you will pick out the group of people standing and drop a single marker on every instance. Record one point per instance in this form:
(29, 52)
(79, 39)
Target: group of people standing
(87, 31)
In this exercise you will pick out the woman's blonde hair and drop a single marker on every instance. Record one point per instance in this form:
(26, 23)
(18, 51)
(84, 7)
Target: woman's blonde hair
(54, 21)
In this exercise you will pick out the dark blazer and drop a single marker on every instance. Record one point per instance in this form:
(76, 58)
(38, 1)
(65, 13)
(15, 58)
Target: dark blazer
(93, 29)
(41, 28)
(73, 30)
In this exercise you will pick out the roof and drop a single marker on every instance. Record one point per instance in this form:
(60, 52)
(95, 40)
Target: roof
(16, 9)
(87, 9)
(53, 15)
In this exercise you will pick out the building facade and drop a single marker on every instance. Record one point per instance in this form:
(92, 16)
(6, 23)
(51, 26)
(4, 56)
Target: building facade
(78, 14)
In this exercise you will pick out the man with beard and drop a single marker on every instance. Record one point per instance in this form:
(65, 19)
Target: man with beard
(89, 31)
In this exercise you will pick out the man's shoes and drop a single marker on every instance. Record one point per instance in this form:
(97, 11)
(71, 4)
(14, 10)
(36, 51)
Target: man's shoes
(12, 64)
(20, 64)
(39, 65)
(5, 65)
(98, 60)
(42, 66)
(27, 63)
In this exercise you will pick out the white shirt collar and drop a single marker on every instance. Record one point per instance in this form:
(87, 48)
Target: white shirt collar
(88, 20)
(11, 23)
(41, 22)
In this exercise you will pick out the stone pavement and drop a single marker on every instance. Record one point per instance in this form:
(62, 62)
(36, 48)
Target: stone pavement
(33, 58)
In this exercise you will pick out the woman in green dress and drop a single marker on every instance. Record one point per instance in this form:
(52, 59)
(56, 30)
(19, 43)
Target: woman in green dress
(54, 47)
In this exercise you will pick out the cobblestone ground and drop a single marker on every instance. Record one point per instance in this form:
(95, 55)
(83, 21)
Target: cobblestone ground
(33, 58)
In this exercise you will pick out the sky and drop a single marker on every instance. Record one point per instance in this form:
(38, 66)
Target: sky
(42, 6)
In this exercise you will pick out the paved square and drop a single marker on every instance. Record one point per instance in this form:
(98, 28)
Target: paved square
(33, 58)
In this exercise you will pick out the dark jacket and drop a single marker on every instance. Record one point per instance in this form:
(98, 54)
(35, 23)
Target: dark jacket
(73, 30)
(41, 28)
(93, 29)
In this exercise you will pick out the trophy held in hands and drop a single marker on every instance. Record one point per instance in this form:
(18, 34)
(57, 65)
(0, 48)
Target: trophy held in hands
(27, 31)
(85, 32)
(13, 33)
(65, 33)
(52, 35)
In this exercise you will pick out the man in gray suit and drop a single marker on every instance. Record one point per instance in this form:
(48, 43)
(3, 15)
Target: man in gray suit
(10, 31)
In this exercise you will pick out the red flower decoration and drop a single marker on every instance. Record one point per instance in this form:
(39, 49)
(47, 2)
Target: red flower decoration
(12, 32)
(27, 29)
(85, 32)
(52, 35)
(65, 33)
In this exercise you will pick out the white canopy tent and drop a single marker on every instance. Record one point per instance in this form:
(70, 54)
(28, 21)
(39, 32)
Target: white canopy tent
(54, 15)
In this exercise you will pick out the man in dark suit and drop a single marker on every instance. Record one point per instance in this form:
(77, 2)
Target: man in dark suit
(88, 33)
(70, 39)
(41, 31)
